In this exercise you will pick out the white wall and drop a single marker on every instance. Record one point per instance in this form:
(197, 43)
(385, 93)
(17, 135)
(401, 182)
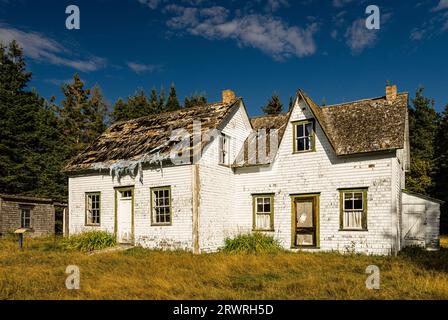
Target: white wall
(176, 236)
(421, 221)
(217, 204)
(322, 172)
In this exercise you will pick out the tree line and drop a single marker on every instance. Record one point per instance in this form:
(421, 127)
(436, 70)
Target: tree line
(39, 136)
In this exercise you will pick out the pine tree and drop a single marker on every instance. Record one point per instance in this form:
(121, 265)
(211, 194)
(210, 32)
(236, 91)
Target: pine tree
(153, 101)
(119, 111)
(161, 104)
(291, 104)
(97, 113)
(195, 100)
(423, 121)
(441, 165)
(274, 106)
(138, 105)
(172, 102)
(32, 145)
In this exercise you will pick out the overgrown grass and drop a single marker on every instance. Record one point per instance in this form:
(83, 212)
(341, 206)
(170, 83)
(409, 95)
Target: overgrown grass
(252, 243)
(89, 241)
(38, 272)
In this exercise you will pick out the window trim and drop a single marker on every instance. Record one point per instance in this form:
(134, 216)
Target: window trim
(87, 194)
(226, 137)
(254, 204)
(21, 217)
(364, 204)
(294, 138)
(153, 222)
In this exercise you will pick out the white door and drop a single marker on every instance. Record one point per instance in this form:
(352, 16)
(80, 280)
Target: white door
(124, 216)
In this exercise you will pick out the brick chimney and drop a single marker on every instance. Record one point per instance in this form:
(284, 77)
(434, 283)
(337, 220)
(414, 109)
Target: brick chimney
(227, 96)
(391, 93)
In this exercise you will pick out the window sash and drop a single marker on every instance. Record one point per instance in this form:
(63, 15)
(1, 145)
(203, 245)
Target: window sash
(25, 218)
(223, 149)
(263, 212)
(93, 209)
(161, 206)
(353, 210)
(304, 136)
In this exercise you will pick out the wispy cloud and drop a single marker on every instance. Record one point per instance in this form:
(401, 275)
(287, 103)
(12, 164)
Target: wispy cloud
(59, 82)
(359, 37)
(44, 49)
(140, 68)
(443, 4)
(267, 33)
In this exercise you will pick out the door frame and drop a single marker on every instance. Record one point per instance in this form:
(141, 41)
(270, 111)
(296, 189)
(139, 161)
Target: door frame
(117, 190)
(316, 200)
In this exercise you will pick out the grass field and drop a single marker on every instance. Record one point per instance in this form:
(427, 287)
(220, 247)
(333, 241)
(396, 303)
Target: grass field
(38, 272)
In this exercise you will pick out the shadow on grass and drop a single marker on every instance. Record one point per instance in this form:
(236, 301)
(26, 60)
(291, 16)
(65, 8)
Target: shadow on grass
(427, 260)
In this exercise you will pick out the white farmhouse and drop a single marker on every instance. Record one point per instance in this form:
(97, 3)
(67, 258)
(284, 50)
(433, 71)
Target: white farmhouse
(315, 178)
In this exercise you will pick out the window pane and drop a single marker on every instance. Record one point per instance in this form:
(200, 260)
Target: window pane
(301, 144)
(348, 204)
(259, 207)
(309, 129)
(267, 207)
(358, 201)
(300, 130)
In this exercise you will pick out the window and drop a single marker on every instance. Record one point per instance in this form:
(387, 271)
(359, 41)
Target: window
(161, 206)
(263, 207)
(126, 194)
(303, 136)
(354, 209)
(25, 218)
(224, 143)
(93, 209)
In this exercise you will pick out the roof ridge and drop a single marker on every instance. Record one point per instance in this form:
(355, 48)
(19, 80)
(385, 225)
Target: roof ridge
(269, 115)
(207, 105)
(360, 100)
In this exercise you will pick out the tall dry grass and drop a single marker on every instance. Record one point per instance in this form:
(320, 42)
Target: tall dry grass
(38, 272)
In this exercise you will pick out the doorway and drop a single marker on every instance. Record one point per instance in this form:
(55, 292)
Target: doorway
(124, 215)
(305, 221)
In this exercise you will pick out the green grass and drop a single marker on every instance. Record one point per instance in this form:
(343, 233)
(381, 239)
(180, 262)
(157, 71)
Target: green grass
(38, 272)
(252, 243)
(89, 241)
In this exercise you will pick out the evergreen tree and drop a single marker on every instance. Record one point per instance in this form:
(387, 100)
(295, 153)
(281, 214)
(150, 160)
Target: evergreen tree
(274, 106)
(161, 104)
(423, 121)
(119, 111)
(153, 101)
(138, 105)
(441, 164)
(97, 113)
(172, 103)
(32, 146)
(195, 100)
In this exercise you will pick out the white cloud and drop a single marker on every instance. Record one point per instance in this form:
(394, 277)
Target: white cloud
(269, 34)
(41, 48)
(359, 37)
(274, 5)
(443, 4)
(140, 68)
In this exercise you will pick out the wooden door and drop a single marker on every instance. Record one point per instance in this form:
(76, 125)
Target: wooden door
(305, 222)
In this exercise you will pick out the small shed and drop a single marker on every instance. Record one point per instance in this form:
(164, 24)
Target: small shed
(35, 214)
(421, 220)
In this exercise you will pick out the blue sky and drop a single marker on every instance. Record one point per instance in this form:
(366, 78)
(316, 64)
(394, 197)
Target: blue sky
(253, 47)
